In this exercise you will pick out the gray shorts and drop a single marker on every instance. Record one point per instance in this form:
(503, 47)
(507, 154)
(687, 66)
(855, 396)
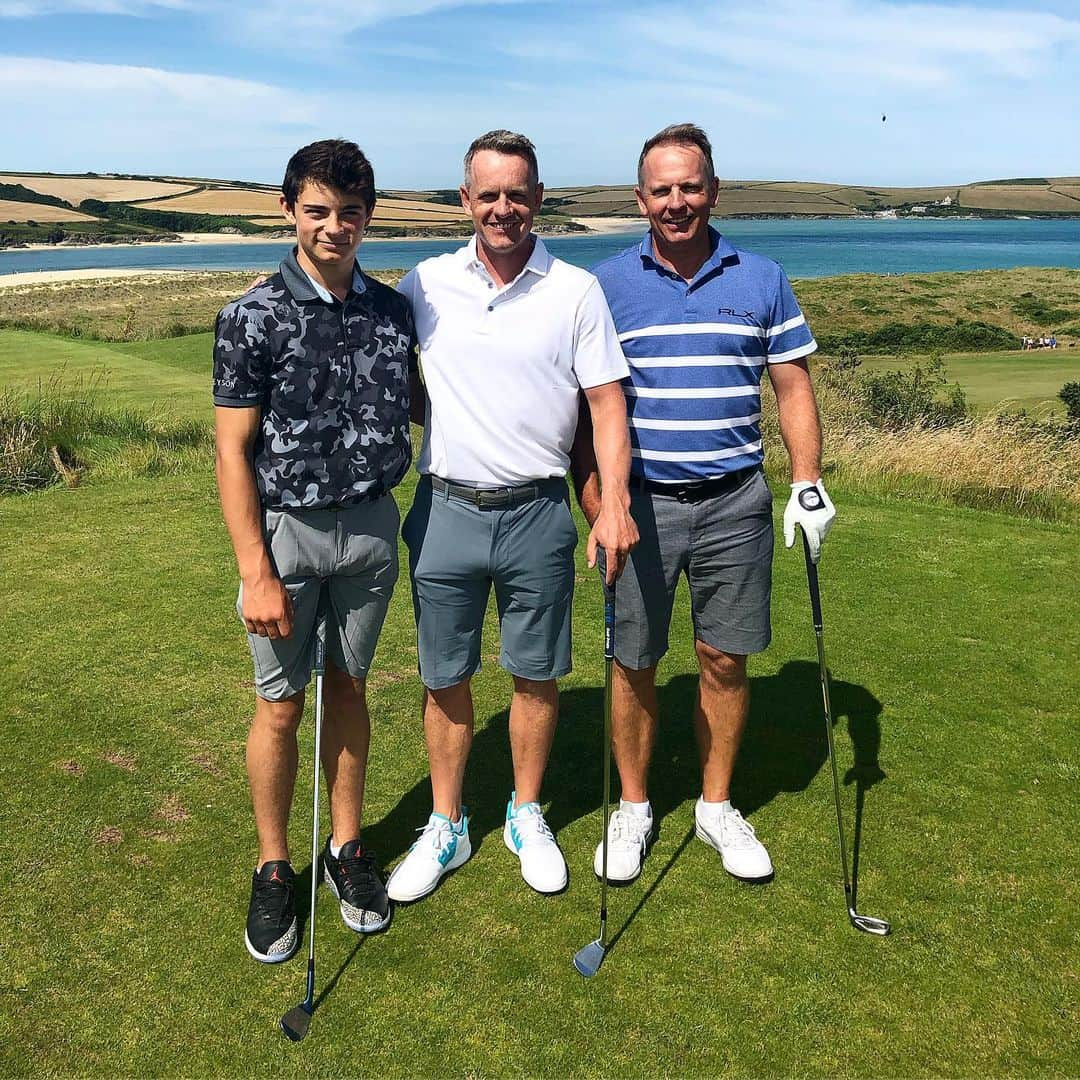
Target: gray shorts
(354, 551)
(724, 545)
(458, 551)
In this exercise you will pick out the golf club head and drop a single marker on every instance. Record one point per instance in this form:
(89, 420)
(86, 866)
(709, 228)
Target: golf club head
(589, 959)
(868, 924)
(294, 1024)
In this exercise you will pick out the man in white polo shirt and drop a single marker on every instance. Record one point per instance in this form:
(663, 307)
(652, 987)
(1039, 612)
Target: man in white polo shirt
(508, 337)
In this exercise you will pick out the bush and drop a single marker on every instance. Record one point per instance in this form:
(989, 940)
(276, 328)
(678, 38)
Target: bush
(1070, 395)
(895, 337)
(902, 398)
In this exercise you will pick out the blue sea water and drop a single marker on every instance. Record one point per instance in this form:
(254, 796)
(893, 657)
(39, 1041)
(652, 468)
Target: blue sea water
(804, 248)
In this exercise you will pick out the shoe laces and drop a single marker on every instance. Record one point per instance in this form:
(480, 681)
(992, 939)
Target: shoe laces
(737, 829)
(359, 874)
(271, 899)
(628, 828)
(531, 826)
(434, 835)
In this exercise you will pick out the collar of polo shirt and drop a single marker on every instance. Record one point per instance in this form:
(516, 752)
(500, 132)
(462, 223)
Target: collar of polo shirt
(539, 261)
(721, 252)
(304, 287)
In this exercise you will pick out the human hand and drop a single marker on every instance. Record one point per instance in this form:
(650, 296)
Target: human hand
(810, 508)
(613, 530)
(266, 607)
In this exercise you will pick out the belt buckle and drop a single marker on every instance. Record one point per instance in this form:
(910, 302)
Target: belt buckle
(490, 499)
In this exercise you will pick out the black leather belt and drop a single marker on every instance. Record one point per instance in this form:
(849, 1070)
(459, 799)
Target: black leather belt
(699, 489)
(502, 498)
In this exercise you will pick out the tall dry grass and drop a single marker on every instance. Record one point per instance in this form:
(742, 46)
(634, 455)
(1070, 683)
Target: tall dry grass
(60, 434)
(998, 462)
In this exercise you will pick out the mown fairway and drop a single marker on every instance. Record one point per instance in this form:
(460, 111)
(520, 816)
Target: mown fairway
(952, 637)
(1002, 380)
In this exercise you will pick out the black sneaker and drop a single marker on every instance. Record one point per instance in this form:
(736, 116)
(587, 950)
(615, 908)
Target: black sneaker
(358, 884)
(271, 923)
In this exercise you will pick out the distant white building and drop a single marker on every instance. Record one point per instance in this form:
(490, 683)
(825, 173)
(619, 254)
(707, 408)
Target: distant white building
(918, 209)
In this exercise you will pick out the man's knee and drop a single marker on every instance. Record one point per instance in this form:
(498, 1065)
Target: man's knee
(452, 702)
(540, 689)
(638, 680)
(342, 686)
(279, 717)
(723, 670)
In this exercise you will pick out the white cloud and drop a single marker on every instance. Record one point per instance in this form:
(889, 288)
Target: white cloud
(24, 9)
(919, 45)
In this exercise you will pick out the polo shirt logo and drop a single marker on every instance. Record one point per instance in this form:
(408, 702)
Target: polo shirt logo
(734, 312)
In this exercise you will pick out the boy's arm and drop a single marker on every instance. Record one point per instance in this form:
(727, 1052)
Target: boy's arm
(266, 607)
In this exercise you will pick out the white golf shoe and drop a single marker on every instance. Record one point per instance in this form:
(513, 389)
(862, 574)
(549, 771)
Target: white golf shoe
(443, 846)
(527, 835)
(743, 855)
(628, 840)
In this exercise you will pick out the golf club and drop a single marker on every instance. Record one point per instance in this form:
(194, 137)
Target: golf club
(867, 923)
(295, 1022)
(589, 958)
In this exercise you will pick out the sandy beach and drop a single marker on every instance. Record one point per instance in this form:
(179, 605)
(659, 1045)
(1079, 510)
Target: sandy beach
(64, 277)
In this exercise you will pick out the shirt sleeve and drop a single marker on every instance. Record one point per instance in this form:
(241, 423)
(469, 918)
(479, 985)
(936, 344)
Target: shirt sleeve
(598, 356)
(241, 368)
(787, 337)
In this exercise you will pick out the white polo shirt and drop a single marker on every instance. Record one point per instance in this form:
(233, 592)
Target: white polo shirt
(503, 366)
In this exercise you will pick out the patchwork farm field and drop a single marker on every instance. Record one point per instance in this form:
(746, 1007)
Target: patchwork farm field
(10, 210)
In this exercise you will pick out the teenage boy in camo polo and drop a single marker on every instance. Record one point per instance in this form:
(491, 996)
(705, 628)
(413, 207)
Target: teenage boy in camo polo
(311, 388)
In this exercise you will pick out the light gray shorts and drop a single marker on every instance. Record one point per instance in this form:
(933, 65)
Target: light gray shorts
(353, 551)
(458, 551)
(724, 545)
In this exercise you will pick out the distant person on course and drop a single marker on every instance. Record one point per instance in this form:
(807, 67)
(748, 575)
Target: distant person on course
(508, 337)
(311, 387)
(700, 321)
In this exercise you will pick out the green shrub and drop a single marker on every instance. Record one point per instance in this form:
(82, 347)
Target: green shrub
(896, 337)
(922, 395)
(1029, 306)
(1070, 395)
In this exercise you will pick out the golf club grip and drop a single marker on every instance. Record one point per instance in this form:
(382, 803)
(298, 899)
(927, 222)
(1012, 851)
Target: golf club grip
(609, 621)
(812, 582)
(319, 663)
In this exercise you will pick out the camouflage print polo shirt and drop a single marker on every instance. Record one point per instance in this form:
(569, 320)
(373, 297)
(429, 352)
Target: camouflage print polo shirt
(332, 381)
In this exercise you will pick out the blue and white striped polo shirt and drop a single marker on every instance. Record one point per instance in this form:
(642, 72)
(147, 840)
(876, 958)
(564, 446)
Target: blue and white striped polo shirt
(697, 351)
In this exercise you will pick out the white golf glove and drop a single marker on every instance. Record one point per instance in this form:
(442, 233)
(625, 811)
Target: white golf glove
(811, 508)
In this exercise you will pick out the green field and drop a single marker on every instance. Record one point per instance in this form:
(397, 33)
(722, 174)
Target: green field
(1003, 380)
(951, 634)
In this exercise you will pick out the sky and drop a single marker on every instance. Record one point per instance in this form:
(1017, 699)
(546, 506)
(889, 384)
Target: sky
(787, 89)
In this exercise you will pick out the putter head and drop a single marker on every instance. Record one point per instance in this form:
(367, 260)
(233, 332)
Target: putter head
(294, 1024)
(589, 959)
(868, 924)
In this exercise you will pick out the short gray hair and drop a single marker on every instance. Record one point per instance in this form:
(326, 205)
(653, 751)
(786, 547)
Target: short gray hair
(503, 142)
(679, 135)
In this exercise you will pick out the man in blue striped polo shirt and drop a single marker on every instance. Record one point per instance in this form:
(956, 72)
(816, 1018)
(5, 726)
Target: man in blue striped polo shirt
(699, 321)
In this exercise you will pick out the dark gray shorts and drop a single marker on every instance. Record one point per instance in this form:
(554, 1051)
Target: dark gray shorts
(458, 551)
(354, 551)
(724, 545)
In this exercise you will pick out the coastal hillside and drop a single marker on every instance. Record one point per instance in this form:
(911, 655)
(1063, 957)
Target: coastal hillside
(95, 208)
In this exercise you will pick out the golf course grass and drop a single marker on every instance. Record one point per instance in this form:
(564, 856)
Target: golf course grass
(952, 637)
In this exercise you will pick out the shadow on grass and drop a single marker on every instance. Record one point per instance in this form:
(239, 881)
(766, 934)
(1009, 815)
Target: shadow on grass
(783, 748)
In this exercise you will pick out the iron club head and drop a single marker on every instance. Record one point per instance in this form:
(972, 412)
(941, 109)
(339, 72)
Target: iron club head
(868, 924)
(294, 1024)
(588, 959)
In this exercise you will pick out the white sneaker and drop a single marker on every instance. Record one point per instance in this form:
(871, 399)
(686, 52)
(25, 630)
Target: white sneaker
(443, 846)
(527, 835)
(742, 853)
(628, 838)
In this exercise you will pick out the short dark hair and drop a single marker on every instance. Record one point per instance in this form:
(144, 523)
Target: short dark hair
(679, 135)
(504, 142)
(334, 163)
